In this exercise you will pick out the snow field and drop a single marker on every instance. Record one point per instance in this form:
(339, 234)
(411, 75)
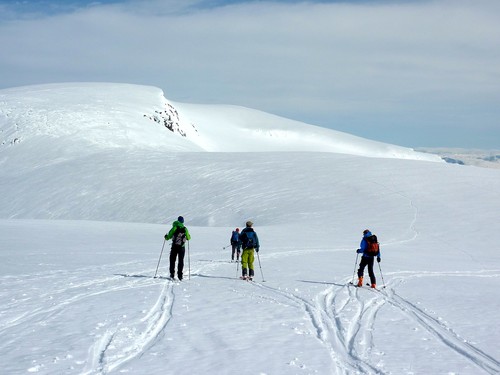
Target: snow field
(87, 197)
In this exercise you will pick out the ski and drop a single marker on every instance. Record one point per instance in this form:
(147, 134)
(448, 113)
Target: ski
(246, 278)
(168, 278)
(361, 286)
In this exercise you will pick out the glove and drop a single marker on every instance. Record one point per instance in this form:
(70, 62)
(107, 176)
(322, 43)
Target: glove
(358, 251)
(166, 237)
(257, 249)
(378, 259)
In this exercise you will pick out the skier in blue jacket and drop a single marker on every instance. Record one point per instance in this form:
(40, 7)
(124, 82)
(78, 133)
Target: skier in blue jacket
(370, 250)
(235, 244)
(249, 243)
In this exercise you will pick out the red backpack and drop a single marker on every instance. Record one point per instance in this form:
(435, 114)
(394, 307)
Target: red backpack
(372, 246)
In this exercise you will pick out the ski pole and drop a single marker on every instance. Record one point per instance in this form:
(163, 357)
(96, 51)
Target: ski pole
(237, 268)
(158, 265)
(355, 264)
(189, 264)
(382, 276)
(258, 257)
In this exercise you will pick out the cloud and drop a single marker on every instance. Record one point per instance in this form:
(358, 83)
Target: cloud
(389, 71)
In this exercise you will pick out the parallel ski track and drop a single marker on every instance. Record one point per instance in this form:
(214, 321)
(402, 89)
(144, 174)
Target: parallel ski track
(445, 334)
(349, 339)
(343, 319)
(47, 313)
(330, 331)
(116, 346)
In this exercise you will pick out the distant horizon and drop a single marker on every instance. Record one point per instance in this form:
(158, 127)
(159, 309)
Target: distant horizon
(409, 73)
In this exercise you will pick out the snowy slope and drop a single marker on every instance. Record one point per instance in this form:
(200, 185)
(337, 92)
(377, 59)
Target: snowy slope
(78, 295)
(119, 115)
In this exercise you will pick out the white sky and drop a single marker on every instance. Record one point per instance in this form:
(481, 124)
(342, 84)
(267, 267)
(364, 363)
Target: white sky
(417, 73)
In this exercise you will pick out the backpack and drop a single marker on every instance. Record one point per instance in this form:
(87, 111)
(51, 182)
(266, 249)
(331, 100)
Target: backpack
(248, 240)
(372, 247)
(235, 237)
(179, 237)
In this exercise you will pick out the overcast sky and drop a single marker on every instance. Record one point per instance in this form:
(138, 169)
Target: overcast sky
(412, 73)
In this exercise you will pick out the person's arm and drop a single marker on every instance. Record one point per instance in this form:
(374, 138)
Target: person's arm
(362, 247)
(170, 234)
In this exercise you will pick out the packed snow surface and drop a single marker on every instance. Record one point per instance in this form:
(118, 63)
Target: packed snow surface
(93, 175)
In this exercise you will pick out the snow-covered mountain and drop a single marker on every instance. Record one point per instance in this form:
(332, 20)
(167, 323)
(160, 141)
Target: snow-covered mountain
(131, 116)
(116, 164)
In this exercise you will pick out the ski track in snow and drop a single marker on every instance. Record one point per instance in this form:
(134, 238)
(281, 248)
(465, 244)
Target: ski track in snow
(44, 313)
(336, 334)
(342, 317)
(123, 343)
(446, 335)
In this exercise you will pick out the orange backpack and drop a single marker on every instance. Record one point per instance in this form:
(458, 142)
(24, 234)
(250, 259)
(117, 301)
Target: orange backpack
(372, 246)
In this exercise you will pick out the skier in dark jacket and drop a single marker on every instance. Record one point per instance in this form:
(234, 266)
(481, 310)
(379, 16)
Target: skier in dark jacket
(179, 235)
(235, 244)
(367, 258)
(249, 242)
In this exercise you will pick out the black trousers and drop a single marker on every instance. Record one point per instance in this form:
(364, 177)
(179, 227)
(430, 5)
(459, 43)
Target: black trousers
(367, 261)
(235, 248)
(177, 251)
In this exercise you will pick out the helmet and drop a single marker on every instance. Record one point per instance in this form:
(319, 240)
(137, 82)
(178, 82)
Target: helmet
(237, 229)
(180, 219)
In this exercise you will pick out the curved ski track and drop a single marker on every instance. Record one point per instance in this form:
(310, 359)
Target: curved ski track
(445, 334)
(338, 333)
(121, 344)
(344, 318)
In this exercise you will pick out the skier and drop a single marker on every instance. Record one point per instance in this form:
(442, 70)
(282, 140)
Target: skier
(249, 242)
(235, 244)
(179, 235)
(369, 247)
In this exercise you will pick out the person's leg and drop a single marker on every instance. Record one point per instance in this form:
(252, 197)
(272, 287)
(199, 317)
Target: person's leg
(180, 266)
(373, 280)
(361, 270)
(244, 262)
(251, 258)
(173, 257)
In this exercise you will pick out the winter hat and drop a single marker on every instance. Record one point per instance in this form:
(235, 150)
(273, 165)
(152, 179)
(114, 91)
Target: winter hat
(367, 233)
(180, 219)
(237, 229)
(249, 223)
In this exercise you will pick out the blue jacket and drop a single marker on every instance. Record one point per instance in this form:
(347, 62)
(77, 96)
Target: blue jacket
(235, 238)
(363, 245)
